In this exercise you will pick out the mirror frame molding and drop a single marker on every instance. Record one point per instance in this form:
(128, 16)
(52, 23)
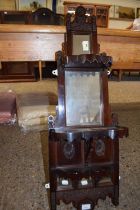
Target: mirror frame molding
(80, 23)
(94, 63)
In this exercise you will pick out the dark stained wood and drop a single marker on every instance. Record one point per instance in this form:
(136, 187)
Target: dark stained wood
(15, 17)
(101, 11)
(45, 16)
(78, 25)
(91, 63)
(83, 156)
(17, 72)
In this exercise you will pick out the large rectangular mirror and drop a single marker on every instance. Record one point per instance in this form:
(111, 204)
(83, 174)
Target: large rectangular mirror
(83, 98)
(81, 44)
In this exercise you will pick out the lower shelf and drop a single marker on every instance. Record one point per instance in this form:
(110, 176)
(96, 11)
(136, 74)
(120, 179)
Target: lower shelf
(85, 198)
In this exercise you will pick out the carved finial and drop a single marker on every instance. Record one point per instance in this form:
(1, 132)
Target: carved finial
(80, 21)
(80, 11)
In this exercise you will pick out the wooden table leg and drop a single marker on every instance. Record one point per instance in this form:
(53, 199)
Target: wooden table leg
(120, 74)
(40, 70)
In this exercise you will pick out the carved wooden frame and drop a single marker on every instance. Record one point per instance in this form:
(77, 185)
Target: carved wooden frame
(82, 159)
(80, 24)
(94, 63)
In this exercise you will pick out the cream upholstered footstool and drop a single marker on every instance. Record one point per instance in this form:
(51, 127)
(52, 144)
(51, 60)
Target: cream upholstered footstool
(33, 110)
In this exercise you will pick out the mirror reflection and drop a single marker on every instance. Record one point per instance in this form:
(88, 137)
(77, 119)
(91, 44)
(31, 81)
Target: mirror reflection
(81, 44)
(83, 98)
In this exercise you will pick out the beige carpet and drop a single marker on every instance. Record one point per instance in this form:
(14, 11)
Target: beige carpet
(22, 174)
(119, 92)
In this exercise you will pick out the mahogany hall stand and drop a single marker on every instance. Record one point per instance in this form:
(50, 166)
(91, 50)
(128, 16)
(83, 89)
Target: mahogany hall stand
(84, 137)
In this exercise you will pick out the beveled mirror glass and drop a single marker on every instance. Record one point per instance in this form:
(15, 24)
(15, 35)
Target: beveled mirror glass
(81, 44)
(83, 98)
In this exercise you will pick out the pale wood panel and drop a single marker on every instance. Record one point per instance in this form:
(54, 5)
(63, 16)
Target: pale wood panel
(11, 28)
(122, 45)
(29, 46)
(61, 29)
(122, 49)
(37, 42)
(118, 32)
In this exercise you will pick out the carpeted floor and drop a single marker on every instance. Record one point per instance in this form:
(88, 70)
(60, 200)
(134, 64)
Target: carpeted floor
(22, 174)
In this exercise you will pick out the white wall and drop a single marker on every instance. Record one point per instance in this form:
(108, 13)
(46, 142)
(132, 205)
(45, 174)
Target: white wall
(121, 24)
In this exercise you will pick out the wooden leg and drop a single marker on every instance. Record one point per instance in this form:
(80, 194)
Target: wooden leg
(115, 199)
(53, 200)
(40, 70)
(120, 75)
